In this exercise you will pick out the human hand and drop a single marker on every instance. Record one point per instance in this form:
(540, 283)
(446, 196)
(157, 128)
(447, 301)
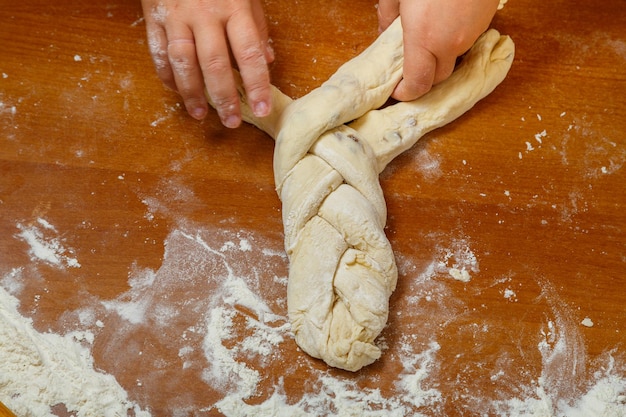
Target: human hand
(191, 42)
(435, 33)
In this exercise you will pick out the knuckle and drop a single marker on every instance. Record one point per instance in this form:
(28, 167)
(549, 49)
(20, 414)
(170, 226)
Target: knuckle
(251, 55)
(160, 60)
(256, 90)
(420, 87)
(216, 65)
(181, 60)
(225, 104)
(181, 65)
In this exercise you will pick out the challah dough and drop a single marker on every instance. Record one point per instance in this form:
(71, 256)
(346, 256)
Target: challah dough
(342, 268)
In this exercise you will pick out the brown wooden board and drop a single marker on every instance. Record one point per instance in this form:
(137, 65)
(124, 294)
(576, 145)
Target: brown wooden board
(161, 237)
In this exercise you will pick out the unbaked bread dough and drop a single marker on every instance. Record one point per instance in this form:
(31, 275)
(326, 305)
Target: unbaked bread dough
(342, 268)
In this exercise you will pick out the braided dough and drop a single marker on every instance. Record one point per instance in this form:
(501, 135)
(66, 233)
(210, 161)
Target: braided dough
(342, 268)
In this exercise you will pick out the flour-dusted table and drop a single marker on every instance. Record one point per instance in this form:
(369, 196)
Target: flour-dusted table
(157, 239)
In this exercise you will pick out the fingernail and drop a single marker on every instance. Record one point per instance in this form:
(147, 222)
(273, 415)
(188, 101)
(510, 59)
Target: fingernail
(231, 121)
(198, 113)
(261, 109)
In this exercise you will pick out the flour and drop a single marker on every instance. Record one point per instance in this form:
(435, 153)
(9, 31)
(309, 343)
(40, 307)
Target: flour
(563, 389)
(428, 165)
(460, 274)
(45, 245)
(217, 304)
(133, 306)
(458, 260)
(604, 397)
(587, 322)
(12, 281)
(225, 371)
(40, 370)
(509, 294)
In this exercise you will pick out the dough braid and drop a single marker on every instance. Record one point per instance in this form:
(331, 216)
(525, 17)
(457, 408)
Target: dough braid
(342, 269)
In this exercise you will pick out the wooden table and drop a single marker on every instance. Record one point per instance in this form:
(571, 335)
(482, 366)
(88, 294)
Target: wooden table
(164, 234)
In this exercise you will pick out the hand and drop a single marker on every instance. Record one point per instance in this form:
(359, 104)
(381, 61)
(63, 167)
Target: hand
(435, 33)
(191, 42)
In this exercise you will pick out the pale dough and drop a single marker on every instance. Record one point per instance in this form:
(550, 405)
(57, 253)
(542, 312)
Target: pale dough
(342, 268)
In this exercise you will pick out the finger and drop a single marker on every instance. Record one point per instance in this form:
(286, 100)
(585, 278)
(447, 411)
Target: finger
(388, 10)
(187, 74)
(418, 69)
(249, 53)
(420, 64)
(157, 44)
(444, 69)
(261, 24)
(418, 74)
(218, 74)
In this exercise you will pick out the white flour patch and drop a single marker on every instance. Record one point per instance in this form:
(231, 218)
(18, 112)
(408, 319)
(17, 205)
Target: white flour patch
(595, 140)
(41, 370)
(603, 396)
(132, 305)
(203, 306)
(458, 260)
(587, 322)
(213, 318)
(45, 245)
(460, 274)
(619, 46)
(428, 165)
(343, 396)
(454, 259)
(13, 282)
(227, 325)
(564, 387)
(416, 368)
(509, 294)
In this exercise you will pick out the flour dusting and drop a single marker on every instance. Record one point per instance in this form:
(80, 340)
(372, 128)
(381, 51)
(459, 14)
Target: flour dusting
(458, 260)
(213, 318)
(563, 388)
(45, 244)
(41, 370)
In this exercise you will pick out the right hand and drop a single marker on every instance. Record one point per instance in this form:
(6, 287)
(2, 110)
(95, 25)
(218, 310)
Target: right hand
(435, 33)
(191, 42)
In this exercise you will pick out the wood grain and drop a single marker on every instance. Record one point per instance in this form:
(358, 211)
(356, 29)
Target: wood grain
(5, 412)
(526, 191)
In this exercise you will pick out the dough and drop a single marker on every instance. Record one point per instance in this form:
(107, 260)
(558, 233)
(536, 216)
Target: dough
(342, 268)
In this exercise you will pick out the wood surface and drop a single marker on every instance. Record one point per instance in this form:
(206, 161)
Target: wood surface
(525, 191)
(5, 412)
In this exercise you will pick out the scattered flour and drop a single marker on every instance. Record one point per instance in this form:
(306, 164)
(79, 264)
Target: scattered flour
(12, 281)
(563, 388)
(45, 245)
(133, 306)
(509, 294)
(217, 304)
(41, 370)
(459, 260)
(460, 274)
(587, 322)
